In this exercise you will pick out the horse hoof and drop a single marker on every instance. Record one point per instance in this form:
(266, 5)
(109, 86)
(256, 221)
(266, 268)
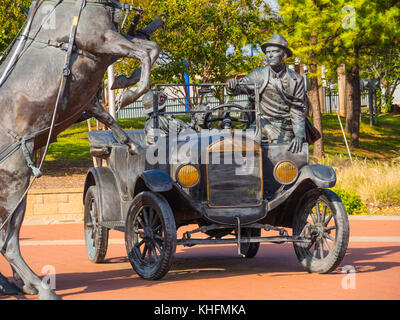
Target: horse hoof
(29, 290)
(127, 98)
(48, 295)
(122, 82)
(136, 149)
(7, 287)
(119, 82)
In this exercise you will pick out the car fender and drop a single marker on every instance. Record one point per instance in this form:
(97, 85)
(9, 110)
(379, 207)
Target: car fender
(108, 192)
(153, 180)
(321, 177)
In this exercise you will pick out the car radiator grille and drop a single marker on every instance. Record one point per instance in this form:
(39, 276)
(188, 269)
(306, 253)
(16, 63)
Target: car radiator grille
(232, 183)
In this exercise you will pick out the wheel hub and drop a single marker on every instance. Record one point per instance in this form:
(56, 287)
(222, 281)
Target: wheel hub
(317, 231)
(148, 235)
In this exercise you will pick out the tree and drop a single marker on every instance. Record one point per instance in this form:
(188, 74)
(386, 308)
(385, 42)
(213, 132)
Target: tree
(309, 26)
(386, 67)
(332, 33)
(11, 20)
(206, 39)
(373, 29)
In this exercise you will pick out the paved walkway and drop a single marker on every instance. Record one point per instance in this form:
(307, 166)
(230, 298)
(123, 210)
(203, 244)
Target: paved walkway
(216, 272)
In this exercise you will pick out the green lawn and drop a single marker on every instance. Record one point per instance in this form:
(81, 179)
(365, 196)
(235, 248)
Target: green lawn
(73, 145)
(376, 142)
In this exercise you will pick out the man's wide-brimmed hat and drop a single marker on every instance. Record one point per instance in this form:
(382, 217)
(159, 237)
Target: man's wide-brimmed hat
(278, 40)
(148, 103)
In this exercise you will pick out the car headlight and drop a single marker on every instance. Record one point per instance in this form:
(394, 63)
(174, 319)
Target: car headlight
(188, 175)
(285, 172)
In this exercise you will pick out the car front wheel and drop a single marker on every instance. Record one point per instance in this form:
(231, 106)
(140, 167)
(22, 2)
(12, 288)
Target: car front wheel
(322, 220)
(150, 235)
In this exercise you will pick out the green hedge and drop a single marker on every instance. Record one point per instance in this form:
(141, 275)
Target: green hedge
(351, 201)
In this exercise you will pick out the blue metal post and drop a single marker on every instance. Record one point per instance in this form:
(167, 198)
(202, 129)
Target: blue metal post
(187, 81)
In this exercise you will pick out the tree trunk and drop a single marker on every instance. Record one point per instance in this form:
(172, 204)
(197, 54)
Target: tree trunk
(317, 116)
(342, 90)
(353, 112)
(321, 93)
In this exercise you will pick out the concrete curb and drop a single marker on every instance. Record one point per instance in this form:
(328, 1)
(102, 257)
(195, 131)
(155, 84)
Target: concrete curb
(374, 218)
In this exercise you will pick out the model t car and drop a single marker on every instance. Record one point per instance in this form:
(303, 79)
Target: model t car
(226, 183)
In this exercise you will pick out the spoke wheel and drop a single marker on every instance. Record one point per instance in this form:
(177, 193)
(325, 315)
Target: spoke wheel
(150, 235)
(250, 249)
(322, 219)
(96, 236)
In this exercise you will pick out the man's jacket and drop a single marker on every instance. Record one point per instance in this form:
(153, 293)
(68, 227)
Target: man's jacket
(294, 95)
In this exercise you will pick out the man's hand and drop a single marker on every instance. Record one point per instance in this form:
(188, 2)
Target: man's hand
(296, 144)
(232, 84)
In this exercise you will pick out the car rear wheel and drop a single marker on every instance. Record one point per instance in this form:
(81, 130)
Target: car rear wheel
(96, 236)
(321, 219)
(150, 235)
(250, 249)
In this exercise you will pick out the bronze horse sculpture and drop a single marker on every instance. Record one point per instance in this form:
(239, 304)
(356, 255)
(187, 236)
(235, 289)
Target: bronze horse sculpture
(30, 90)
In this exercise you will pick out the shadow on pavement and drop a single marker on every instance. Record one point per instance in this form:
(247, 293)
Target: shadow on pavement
(217, 262)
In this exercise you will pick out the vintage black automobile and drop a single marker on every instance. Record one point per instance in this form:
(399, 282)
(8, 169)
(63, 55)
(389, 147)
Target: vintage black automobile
(228, 201)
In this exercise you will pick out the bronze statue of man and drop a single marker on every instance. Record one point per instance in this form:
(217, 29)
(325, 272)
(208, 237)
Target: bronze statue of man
(282, 95)
(166, 124)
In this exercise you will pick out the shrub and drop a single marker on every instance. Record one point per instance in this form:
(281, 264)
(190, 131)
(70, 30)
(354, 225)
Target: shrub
(351, 201)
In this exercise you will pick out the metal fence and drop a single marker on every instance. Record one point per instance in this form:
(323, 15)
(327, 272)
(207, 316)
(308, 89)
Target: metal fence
(331, 100)
(135, 110)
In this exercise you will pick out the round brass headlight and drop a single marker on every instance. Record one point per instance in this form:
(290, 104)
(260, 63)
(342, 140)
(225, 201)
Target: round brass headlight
(285, 172)
(188, 175)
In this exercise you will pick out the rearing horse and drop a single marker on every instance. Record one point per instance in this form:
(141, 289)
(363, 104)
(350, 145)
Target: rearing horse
(29, 93)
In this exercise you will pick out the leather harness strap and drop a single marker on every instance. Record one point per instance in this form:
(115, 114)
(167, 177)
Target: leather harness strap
(64, 46)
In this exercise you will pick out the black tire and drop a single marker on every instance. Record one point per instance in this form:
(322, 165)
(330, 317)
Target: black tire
(250, 249)
(96, 236)
(321, 218)
(150, 235)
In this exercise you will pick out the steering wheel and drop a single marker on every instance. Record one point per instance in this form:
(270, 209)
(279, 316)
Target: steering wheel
(226, 116)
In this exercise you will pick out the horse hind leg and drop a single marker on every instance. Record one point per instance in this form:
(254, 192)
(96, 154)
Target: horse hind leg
(14, 176)
(11, 251)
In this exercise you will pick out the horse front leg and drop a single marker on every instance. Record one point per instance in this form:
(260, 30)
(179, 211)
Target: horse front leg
(96, 110)
(116, 45)
(152, 50)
